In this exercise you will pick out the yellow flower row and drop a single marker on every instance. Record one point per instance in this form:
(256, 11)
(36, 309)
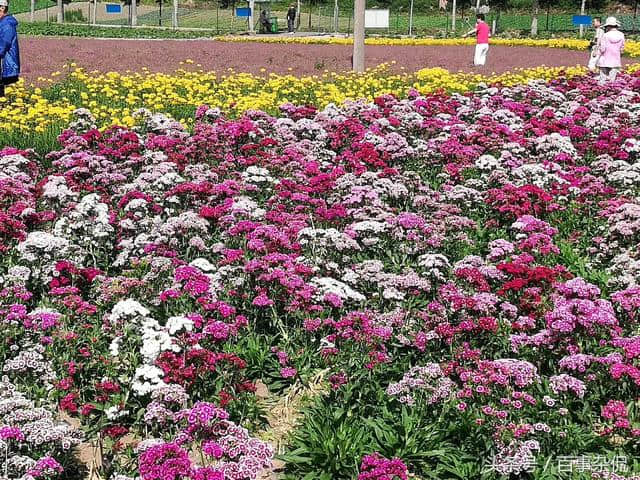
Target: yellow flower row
(632, 48)
(113, 97)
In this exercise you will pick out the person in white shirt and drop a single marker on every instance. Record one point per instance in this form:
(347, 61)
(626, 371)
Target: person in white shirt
(595, 45)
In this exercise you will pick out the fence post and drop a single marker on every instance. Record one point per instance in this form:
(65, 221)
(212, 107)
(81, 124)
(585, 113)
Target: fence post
(252, 5)
(60, 14)
(582, 5)
(134, 13)
(174, 16)
(398, 20)
(358, 36)
(410, 17)
(548, 9)
(336, 12)
(453, 18)
(217, 14)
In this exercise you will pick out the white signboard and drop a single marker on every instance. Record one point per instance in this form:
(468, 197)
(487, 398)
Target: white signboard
(376, 18)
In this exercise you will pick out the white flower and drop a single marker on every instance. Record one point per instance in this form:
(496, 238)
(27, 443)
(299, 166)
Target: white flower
(147, 378)
(203, 264)
(342, 290)
(127, 309)
(176, 324)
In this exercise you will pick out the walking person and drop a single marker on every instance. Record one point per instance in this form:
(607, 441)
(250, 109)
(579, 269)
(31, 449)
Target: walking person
(611, 47)
(482, 40)
(9, 51)
(291, 18)
(595, 45)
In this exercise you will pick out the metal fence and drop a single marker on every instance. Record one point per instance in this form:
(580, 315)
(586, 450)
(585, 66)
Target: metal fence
(221, 16)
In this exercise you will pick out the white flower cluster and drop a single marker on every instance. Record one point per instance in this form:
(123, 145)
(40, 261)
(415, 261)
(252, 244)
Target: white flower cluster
(127, 310)
(11, 166)
(548, 146)
(258, 175)
(156, 123)
(329, 238)
(620, 173)
(246, 207)
(86, 228)
(436, 265)
(327, 285)
(147, 379)
(42, 250)
(55, 189)
(83, 121)
(624, 270)
(537, 174)
(17, 275)
(129, 314)
(31, 361)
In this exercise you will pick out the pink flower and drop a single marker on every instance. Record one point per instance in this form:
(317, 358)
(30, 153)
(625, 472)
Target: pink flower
(288, 372)
(262, 301)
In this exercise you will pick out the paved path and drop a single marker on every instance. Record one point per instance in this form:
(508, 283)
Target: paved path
(44, 55)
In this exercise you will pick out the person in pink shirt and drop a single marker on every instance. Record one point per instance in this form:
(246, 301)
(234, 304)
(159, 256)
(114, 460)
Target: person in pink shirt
(611, 46)
(482, 40)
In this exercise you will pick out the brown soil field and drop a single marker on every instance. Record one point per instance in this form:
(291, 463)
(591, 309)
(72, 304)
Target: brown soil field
(43, 55)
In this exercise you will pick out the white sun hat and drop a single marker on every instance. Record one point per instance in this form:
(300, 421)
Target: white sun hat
(609, 22)
(4, 3)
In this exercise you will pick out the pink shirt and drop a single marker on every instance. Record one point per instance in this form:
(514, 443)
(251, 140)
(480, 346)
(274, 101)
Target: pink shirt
(482, 32)
(611, 46)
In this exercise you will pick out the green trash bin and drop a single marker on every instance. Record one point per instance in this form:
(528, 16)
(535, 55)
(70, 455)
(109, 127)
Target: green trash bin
(274, 24)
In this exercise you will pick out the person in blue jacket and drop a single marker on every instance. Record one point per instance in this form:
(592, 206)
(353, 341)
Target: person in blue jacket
(9, 51)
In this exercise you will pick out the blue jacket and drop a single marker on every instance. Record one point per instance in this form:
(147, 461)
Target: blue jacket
(9, 52)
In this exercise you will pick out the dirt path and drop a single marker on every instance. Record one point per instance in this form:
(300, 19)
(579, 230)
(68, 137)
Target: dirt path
(41, 56)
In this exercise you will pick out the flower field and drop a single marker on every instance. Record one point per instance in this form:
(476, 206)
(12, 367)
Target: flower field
(443, 283)
(33, 118)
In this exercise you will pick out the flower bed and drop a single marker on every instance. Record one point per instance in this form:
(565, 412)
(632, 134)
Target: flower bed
(632, 48)
(450, 283)
(35, 117)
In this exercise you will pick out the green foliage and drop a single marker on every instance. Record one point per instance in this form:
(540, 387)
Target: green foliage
(107, 32)
(21, 6)
(75, 15)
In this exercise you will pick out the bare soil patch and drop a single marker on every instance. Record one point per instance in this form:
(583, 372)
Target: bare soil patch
(43, 55)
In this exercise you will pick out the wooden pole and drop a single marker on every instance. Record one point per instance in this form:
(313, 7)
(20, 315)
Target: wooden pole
(582, 6)
(358, 35)
(60, 12)
(411, 18)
